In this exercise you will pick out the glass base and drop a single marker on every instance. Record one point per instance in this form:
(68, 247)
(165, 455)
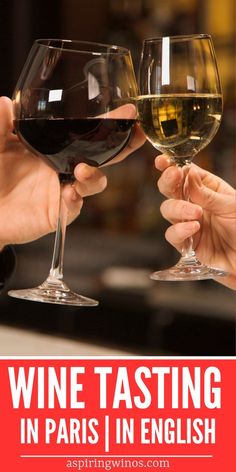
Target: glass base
(188, 270)
(55, 292)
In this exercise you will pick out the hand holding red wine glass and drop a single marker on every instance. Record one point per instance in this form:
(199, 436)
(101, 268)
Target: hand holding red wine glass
(74, 102)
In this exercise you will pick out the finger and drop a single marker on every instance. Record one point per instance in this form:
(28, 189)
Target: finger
(176, 210)
(89, 180)
(162, 162)
(6, 119)
(170, 182)
(73, 200)
(136, 141)
(179, 232)
(126, 112)
(206, 197)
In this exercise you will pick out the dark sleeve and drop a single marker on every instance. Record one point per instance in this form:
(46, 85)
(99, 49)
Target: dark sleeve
(7, 265)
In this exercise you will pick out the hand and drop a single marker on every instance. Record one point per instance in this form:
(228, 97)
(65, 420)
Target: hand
(210, 216)
(29, 189)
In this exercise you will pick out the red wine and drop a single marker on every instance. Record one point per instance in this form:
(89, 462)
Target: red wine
(64, 143)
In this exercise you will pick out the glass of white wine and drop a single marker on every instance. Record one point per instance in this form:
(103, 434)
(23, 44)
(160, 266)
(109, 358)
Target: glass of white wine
(180, 109)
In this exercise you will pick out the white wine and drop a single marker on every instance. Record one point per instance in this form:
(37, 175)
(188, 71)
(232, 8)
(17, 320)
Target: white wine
(180, 125)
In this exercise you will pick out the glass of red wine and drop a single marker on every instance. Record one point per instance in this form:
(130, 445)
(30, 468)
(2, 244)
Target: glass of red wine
(74, 102)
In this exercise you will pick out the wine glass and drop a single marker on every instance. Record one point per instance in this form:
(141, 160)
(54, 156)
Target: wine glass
(74, 102)
(180, 108)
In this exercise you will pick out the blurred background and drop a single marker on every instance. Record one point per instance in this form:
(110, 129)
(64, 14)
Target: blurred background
(119, 237)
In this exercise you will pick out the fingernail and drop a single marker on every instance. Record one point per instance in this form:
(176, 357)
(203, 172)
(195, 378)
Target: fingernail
(162, 162)
(193, 212)
(74, 196)
(194, 226)
(83, 171)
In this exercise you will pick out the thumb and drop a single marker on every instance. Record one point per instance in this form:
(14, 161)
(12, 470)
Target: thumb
(207, 198)
(6, 116)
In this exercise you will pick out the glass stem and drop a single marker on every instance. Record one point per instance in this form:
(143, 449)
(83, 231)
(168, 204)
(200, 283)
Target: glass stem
(187, 251)
(56, 271)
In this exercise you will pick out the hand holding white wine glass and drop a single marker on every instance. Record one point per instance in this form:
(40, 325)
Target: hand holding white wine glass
(180, 109)
(74, 102)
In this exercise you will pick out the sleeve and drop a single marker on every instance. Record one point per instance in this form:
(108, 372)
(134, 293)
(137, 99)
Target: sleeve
(7, 265)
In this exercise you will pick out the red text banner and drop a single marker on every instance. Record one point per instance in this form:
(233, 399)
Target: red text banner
(118, 414)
